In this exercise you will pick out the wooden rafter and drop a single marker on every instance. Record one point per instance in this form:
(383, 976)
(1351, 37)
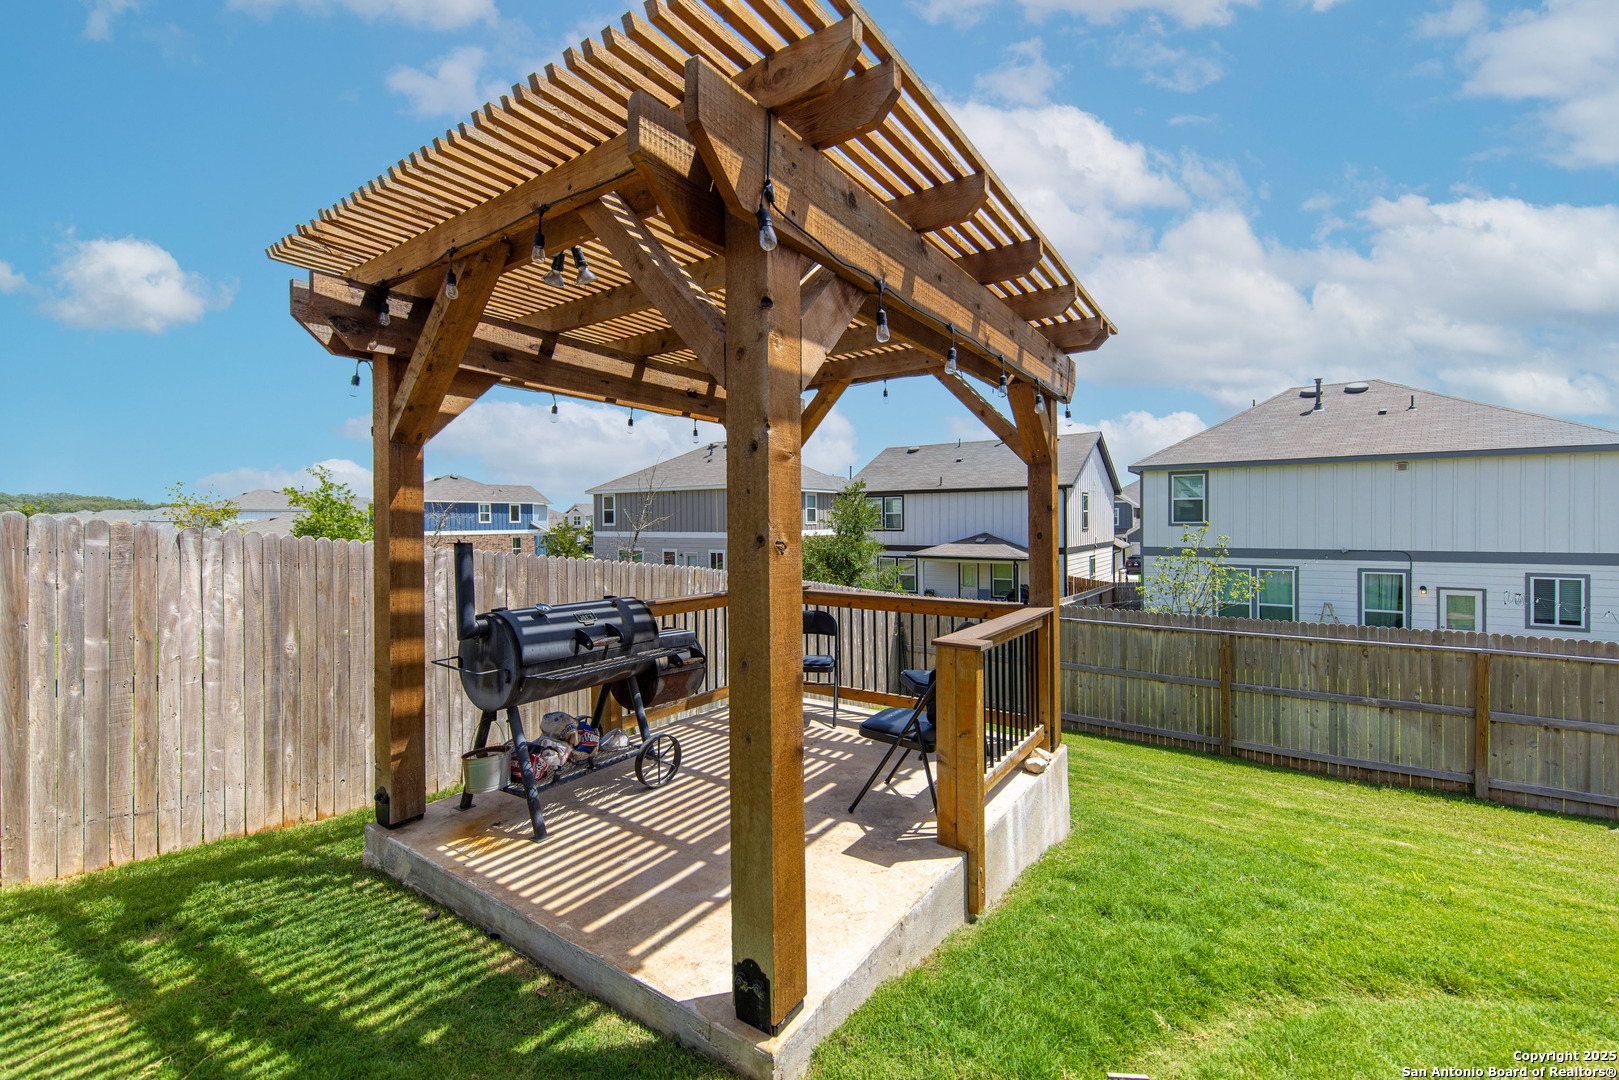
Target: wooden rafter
(858, 106)
(887, 365)
(1045, 304)
(682, 301)
(1003, 263)
(819, 406)
(618, 301)
(445, 336)
(808, 68)
(942, 206)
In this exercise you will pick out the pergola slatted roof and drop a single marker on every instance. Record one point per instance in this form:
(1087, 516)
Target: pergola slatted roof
(585, 102)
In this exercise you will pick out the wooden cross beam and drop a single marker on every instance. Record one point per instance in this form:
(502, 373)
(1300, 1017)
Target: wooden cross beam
(895, 364)
(808, 68)
(1034, 426)
(1044, 303)
(1002, 263)
(1003, 428)
(445, 336)
(828, 303)
(618, 301)
(823, 213)
(859, 105)
(820, 405)
(940, 207)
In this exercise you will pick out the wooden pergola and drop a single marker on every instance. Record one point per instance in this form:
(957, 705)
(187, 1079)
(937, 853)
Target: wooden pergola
(655, 154)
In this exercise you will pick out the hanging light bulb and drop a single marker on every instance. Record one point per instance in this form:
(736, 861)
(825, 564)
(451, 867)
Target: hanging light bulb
(355, 381)
(553, 408)
(632, 419)
(537, 254)
(882, 316)
(694, 436)
(767, 229)
(583, 274)
(1039, 403)
(885, 388)
(450, 291)
(1001, 389)
(553, 276)
(950, 357)
(383, 316)
(1067, 413)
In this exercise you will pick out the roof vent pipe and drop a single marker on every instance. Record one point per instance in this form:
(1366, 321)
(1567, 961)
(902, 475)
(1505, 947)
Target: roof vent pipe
(1317, 396)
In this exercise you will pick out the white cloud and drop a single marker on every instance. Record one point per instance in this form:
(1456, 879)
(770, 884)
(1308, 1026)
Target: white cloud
(1137, 434)
(453, 87)
(962, 13)
(1025, 78)
(10, 280)
(1160, 65)
(1190, 118)
(98, 24)
(1565, 54)
(834, 446)
(128, 284)
(1473, 293)
(432, 14)
(234, 482)
(1189, 13)
(515, 442)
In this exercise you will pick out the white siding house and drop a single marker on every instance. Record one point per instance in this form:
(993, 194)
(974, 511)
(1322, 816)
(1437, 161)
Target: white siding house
(956, 520)
(1393, 506)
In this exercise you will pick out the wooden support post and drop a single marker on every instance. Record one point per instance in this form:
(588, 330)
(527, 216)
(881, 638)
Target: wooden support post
(764, 516)
(1046, 559)
(1226, 649)
(1481, 725)
(399, 727)
(960, 758)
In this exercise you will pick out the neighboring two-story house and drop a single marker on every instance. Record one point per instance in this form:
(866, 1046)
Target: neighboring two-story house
(955, 516)
(1380, 504)
(494, 517)
(674, 512)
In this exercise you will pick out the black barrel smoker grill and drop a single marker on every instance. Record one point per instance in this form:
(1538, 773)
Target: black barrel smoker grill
(513, 656)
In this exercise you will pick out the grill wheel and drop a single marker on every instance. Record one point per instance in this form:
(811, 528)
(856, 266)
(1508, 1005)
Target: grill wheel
(658, 761)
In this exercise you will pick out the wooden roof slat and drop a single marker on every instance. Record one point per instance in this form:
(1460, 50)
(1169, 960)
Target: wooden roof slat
(698, 26)
(606, 112)
(639, 73)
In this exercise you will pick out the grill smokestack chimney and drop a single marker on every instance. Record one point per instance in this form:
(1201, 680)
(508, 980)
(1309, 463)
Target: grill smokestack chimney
(1317, 407)
(467, 625)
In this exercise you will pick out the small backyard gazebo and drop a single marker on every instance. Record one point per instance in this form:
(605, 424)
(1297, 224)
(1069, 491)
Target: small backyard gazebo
(710, 211)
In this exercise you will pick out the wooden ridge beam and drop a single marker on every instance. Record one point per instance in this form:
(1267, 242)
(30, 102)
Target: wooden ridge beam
(1003, 428)
(562, 189)
(585, 375)
(855, 108)
(618, 301)
(665, 281)
(1003, 263)
(1034, 426)
(854, 233)
(805, 69)
(1044, 303)
(668, 163)
(446, 333)
(940, 207)
(819, 406)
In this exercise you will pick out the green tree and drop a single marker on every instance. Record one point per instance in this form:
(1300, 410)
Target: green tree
(198, 511)
(329, 510)
(1198, 579)
(566, 540)
(848, 555)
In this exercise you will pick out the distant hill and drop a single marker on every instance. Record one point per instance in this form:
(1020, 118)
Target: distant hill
(61, 502)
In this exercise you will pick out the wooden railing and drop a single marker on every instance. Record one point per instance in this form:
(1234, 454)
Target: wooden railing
(995, 704)
(1525, 721)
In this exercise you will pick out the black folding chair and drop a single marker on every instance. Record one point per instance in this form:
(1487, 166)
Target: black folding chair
(904, 728)
(822, 624)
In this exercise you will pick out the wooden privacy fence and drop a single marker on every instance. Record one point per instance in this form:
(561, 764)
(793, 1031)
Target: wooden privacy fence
(160, 688)
(1526, 721)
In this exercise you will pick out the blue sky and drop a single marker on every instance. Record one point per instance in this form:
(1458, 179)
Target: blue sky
(1257, 191)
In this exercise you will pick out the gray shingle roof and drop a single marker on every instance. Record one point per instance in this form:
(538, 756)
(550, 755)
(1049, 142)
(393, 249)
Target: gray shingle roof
(703, 467)
(1132, 492)
(974, 466)
(1378, 422)
(985, 546)
(458, 489)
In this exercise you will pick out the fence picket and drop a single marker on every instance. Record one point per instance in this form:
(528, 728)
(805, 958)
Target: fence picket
(70, 697)
(98, 692)
(252, 613)
(14, 712)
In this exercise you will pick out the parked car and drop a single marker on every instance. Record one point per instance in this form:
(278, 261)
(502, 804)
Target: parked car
(1132, 564)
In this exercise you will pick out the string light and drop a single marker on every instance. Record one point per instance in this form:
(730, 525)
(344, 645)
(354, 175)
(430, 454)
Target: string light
(1001, 389)
(950, 357)
(767, 229)
(1067, 413)
(355, 381)
(694, 436)
(882, 317)
(538, 253)
(1039, 403)
(383, 316)
(553, 276)
(553, 408)
(885, 388)
(450, 291)
(583, 274)
(632, 419)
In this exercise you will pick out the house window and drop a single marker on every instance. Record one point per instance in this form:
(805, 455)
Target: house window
(631, 555)
(891, 512)
(1461, 609)
(906, 568)
(1382, 598)
(716, 560)
(1274, 597)
(691, 560)
(517, 545)
(1093, 568)
(484, 514)
(811, 508)
(514, 513)
(1003, 580)
(1085, 516)
(607, 511)
(668, 557)
(1188, 498)
(1561, 602)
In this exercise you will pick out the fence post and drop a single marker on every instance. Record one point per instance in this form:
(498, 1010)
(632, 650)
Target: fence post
(1481, 725)
(960, 702)
(1225, 694)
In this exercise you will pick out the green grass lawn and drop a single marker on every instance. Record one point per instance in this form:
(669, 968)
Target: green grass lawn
(1212, 918)
(1208, 918)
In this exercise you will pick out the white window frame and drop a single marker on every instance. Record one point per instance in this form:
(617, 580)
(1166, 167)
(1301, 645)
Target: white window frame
(517, 545)
(514, 513)
(907, 569)
(1011, 580)
(1253, 601)
(691, 558)
(1558, 622)
(1085, 515)
(485, 513)
(884, 512)
(1405, 595)
(812, 509)
(716, 559)
(1204, 477)
(1483, 596)
(1093, 568)
(671, 557)
(609, 510)
(632, 554)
